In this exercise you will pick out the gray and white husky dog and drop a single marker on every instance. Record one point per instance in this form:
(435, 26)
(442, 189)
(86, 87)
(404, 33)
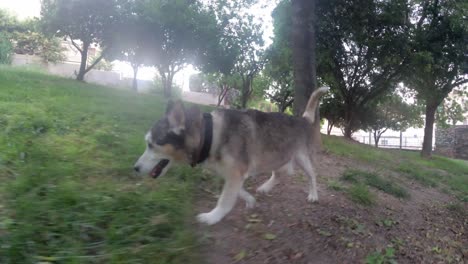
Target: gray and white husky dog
(234, 144)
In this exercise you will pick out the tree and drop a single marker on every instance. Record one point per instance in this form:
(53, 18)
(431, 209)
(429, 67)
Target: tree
(132, 42)
(438, 54)
(202, 83)
(452, 109)
(390, 112)
(25, 38)
(35, 43)
(6, 49)
(87, 21)
(279, 67)
(332, 109)
(179, 32)
(303, 45)
(8, 22)
(235, 49)
(362, 46)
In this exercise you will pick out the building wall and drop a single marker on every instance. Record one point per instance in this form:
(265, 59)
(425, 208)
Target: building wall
(452, 142)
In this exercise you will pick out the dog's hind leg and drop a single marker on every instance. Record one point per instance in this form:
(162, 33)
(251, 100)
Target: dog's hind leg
(287, 169)
(231, 189)
(306, 165)
(268, 185)
(247, 197)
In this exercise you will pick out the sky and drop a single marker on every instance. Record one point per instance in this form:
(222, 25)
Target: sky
(31, 8)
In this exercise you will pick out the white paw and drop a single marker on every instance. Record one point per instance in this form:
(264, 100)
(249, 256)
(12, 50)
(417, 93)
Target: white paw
(209, 218)
(264, 188)
(313, 197)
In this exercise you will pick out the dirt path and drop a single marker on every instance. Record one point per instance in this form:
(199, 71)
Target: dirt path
(284, 228)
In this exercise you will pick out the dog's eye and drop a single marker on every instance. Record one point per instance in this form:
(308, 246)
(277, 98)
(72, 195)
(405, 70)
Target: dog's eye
(149, 145)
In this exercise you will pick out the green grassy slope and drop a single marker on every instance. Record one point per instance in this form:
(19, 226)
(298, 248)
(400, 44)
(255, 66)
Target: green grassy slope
(67, 192)
(449, 174)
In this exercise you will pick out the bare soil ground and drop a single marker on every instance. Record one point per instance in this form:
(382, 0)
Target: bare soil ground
(285, 228)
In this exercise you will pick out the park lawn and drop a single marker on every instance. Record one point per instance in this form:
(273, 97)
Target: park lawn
(67, 191)
(451, 175)
(68, 194)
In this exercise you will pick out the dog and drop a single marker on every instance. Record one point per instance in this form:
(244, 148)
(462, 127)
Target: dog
(235, 144)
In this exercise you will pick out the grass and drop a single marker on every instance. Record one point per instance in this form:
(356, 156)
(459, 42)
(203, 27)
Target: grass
(359, 193)
(376, 181)
(366, 153)
(380, 257)
(450, 174)
(335, 185)
(67, 191)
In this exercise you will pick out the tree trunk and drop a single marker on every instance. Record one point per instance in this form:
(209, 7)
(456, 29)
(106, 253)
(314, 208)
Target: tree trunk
(168, 87)
(222, 94)
(376, 139)
(348, 123)
(166, 80)
(244, 97)
(135, 80)
(349, 120)
(303, 45)
(348, 132)
(282, 107)
(246, 91)
(83, 62)
(329, 127)
(426, 151)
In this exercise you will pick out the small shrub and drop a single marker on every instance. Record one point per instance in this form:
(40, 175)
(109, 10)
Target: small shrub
(378, 258)
(351, 176)
(418, 175)
(6, 49)
(374, 180)
(335, 185)
(360, 194)
(158, 89)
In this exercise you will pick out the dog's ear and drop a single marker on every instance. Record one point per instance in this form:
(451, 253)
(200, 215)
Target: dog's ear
(175, 114)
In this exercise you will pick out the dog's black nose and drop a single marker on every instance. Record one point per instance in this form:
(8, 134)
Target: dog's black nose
(137, 168)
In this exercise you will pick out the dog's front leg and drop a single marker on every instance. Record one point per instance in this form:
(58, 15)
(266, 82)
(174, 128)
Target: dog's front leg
(226, 201)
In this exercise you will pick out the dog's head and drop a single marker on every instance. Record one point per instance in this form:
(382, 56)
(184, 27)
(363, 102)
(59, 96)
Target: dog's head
(171, 139)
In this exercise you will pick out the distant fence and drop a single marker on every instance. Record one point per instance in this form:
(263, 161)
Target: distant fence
(398, 142)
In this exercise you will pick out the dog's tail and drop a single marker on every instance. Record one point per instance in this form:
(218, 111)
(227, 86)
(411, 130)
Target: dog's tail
(312, 104)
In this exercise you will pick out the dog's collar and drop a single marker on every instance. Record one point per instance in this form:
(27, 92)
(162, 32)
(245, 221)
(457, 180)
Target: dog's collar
(206, 138)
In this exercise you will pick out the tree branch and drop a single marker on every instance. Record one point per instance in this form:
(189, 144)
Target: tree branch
(356, 68)
(75, 45)
(424, 15)
(90, 67)
(456, 84)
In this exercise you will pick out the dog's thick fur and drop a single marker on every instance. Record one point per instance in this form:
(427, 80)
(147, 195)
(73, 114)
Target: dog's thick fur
(245, 143)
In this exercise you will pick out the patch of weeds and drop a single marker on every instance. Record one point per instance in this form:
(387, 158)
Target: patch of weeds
(352, 224)
(417, 174)
(324, 232)
(335, 185)
(351, 176)
(374, 180)
(398, 243)
(387, 257)
(457, 208)
(388, 223)
(359, 193)
(436, 250)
